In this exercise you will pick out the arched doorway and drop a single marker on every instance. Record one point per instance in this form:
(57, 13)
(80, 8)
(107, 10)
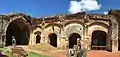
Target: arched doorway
(38, 38)
(99, 40)
(119, 44)
(53, 39)
(73, 39)
(20, 30)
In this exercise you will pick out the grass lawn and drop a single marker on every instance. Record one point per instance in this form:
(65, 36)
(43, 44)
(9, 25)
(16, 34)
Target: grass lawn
(32, 54)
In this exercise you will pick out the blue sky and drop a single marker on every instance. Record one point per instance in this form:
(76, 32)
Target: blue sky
(40, 8)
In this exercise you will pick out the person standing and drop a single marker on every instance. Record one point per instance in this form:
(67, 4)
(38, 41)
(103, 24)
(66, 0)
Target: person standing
(82, 52)
(78, 43)
(13, 42)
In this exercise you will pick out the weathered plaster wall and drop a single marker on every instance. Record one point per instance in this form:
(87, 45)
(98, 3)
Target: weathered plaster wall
(64, 26)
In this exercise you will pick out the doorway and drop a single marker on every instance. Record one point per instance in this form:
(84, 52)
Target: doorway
(119, 45)
(53, 39)
(38, 38)
(73, 39)
(98, 40)
(19, 30)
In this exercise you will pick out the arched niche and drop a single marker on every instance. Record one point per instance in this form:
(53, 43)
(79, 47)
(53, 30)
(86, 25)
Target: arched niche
(93, 28)
(34, 34)
(74, 28)
(50, 29)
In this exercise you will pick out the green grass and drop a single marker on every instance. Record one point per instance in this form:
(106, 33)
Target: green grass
(7, 53)
(2, 49)
(32, 54)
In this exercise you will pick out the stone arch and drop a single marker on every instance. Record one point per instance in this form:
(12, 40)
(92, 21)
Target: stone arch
(17, 17)
(99, 23)
(73, 39)
(77, 22)
(35, 31)
(96, 27)
(20, 28)
(74, 28)
(52, 24)
(99, 39)
(53, 39)
(50, 30)
(36, 27)
(93, 28)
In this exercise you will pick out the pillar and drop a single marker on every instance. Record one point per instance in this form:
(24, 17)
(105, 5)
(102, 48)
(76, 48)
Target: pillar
(114, 34)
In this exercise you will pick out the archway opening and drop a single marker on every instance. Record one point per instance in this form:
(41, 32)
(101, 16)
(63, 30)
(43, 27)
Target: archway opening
(99, 40)
(119, 44)
(38, 38)
(73, 39)
(53, 39)
(20, 30)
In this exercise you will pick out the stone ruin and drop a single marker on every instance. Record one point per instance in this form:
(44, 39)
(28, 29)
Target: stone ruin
(62, 31)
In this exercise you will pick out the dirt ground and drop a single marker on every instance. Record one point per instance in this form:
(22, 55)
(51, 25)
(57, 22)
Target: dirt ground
(92, 53)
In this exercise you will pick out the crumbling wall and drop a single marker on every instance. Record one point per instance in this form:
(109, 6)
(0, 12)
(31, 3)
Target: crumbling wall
(116, 14)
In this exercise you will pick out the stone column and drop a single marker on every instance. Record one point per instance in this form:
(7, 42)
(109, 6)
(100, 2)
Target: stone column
(42, 39)
(86, 39)
(31, 39)
(62, 43)
(114, 36)
(114, 45)
(109, 39)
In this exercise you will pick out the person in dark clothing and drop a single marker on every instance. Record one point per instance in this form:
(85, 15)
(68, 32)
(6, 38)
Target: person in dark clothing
(13, 41)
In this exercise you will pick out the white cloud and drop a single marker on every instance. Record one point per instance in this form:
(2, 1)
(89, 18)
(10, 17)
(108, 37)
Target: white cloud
(83, 5)
(105, 12)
